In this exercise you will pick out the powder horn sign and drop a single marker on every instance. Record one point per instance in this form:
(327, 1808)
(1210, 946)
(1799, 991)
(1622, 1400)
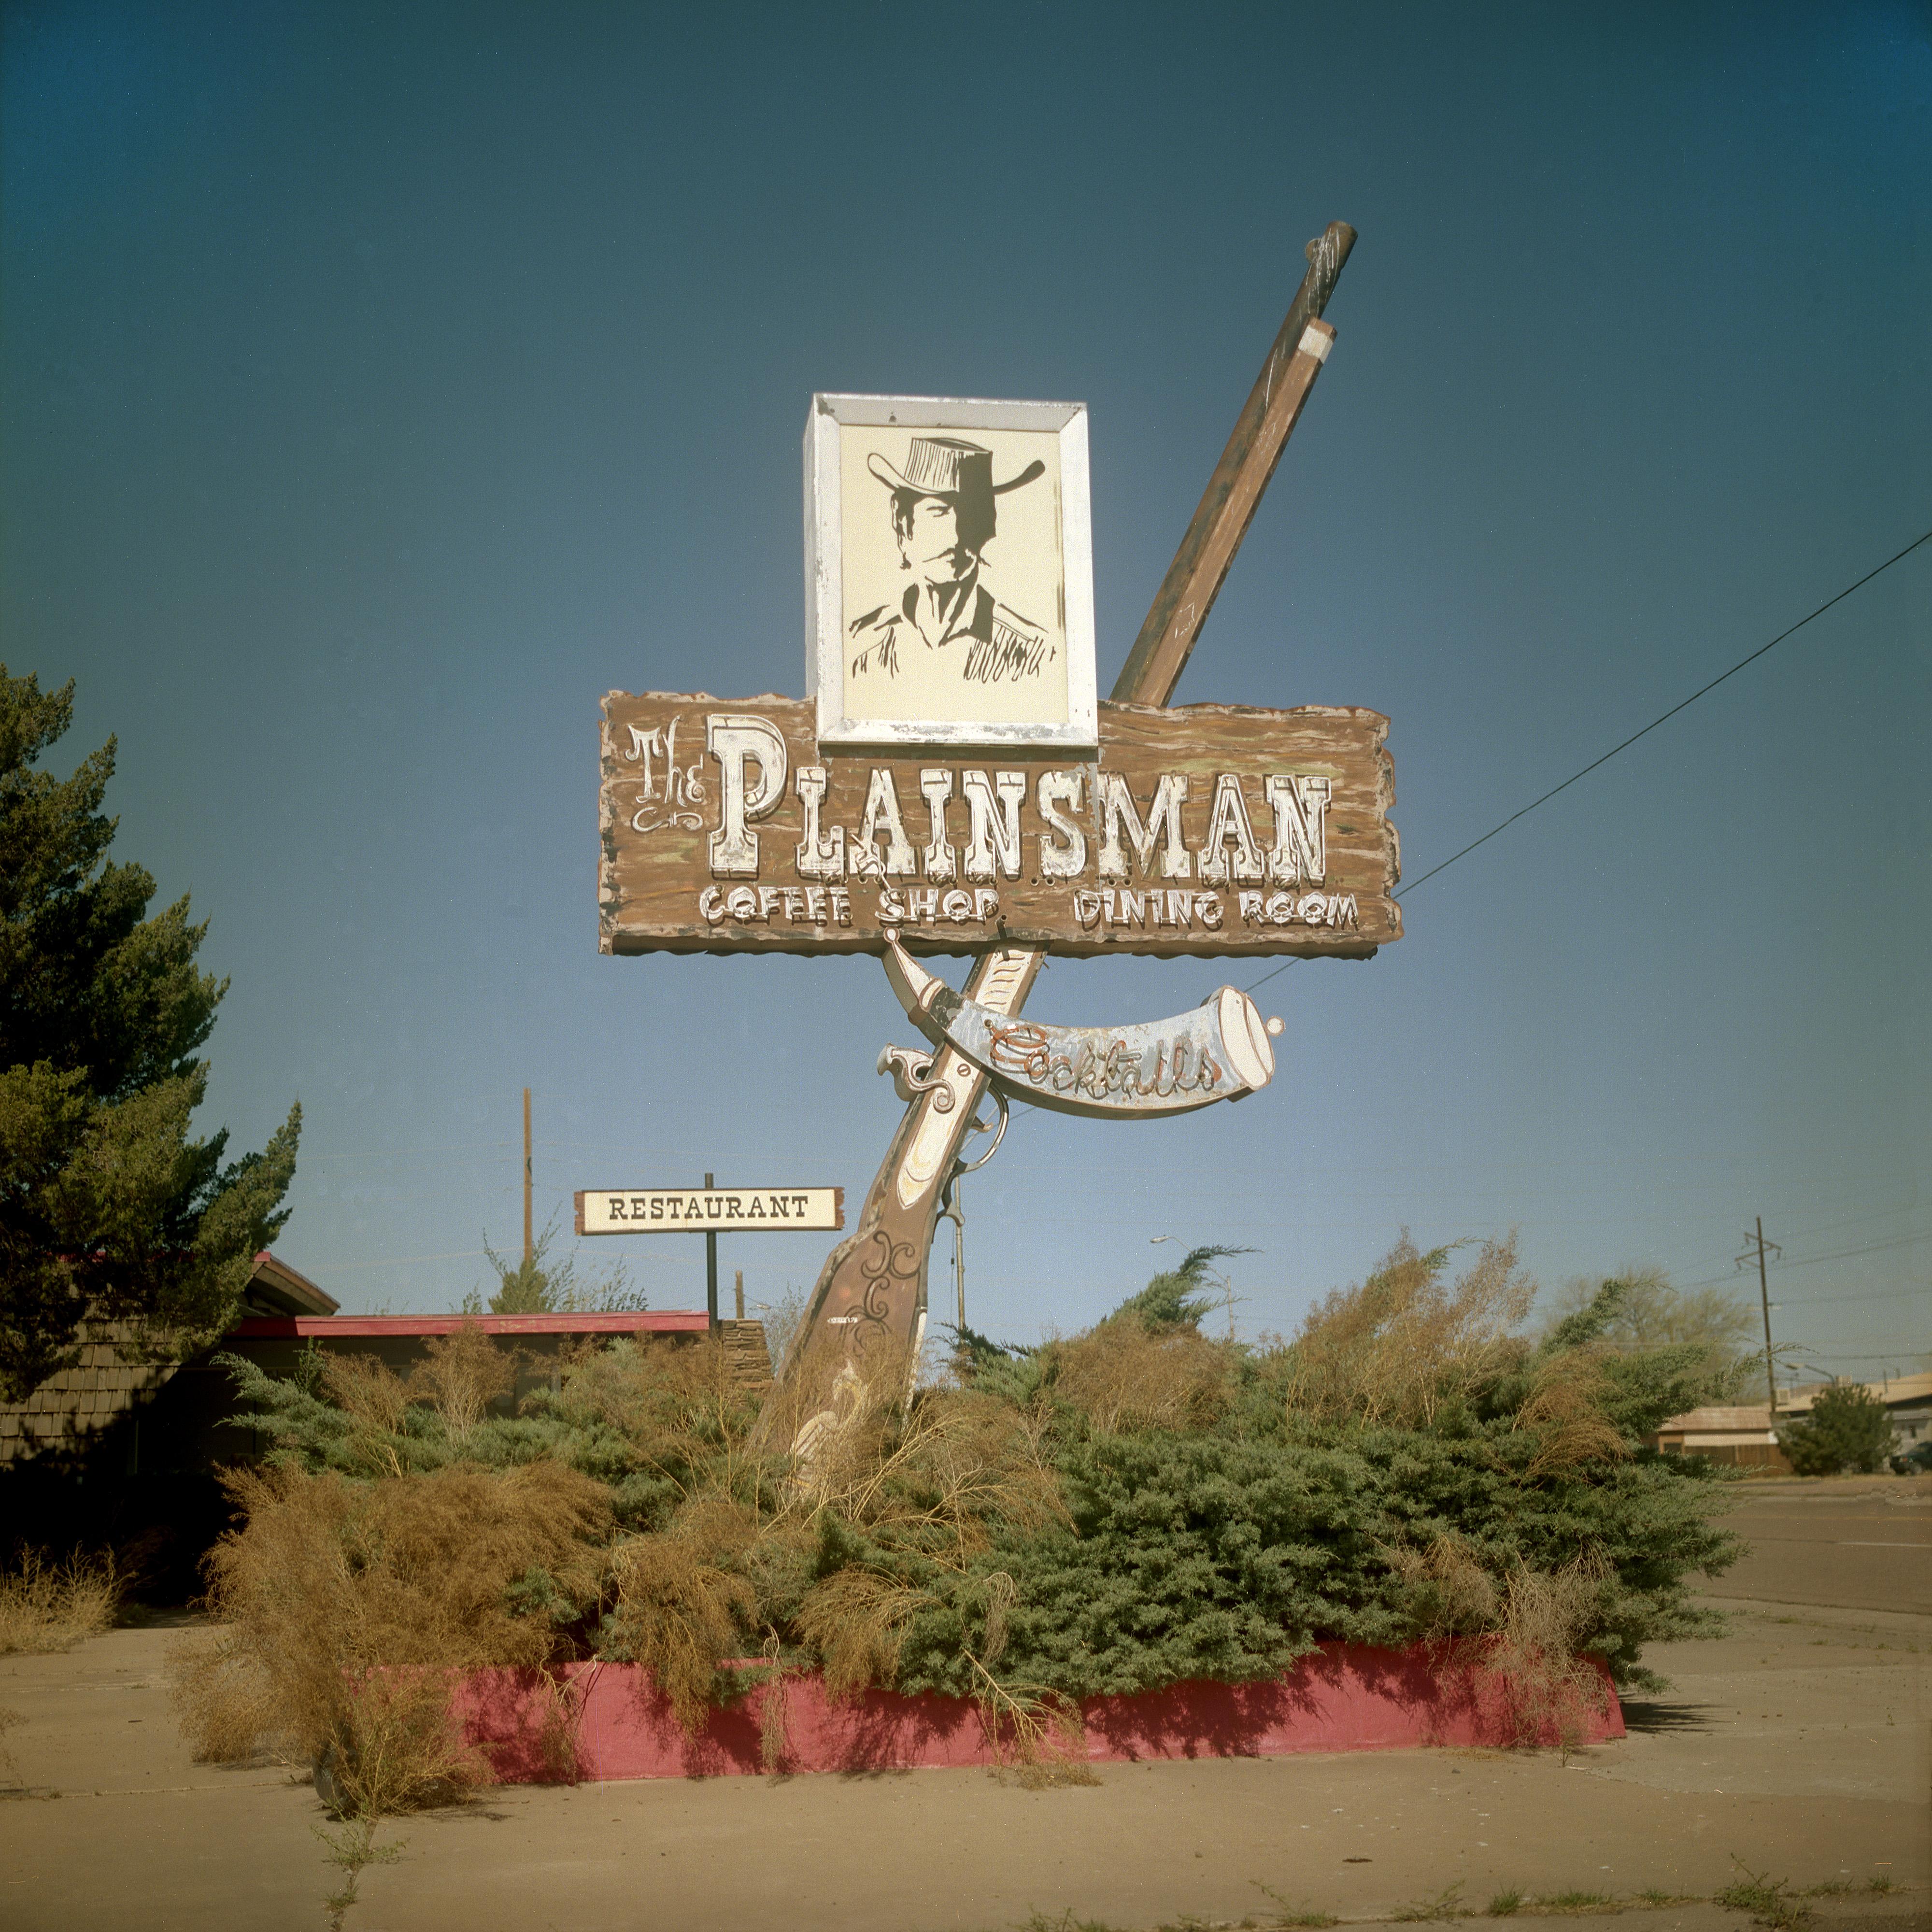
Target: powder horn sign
(872, 1291)
(1222, 1050)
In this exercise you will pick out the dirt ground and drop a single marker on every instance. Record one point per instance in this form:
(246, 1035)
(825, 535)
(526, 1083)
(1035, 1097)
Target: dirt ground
(1795, 1747)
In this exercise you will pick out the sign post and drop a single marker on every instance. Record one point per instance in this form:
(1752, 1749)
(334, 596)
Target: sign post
(948, 785)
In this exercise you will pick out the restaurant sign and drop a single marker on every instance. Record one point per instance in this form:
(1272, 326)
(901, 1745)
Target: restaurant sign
(689, 1210)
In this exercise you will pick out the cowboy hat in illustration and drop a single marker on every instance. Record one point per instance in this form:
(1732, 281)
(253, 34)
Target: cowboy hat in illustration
(943, 466)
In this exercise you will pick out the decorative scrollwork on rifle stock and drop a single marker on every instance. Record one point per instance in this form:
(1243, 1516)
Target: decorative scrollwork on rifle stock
(914, 1073)
(892, 1260)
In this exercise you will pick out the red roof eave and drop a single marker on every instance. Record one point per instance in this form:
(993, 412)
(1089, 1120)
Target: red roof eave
(655, 1321)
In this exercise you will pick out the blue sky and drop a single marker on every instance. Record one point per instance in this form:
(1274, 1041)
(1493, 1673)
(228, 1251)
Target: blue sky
(379, 386)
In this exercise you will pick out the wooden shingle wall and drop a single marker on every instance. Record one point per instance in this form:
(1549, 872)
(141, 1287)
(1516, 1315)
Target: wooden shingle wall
(80, 1402)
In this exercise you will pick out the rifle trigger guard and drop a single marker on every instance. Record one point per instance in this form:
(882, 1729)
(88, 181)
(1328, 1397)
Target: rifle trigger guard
(961, 1169)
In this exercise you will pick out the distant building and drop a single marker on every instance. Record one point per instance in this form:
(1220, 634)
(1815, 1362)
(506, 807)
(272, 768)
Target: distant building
(127, 1453)
(72, 1412)
(1908, 1397)
(1742, 1435)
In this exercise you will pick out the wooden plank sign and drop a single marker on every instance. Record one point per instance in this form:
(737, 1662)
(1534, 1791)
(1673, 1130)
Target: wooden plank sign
(709, 1211)
(1206, 829)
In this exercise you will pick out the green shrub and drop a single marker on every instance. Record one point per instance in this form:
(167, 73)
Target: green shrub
(1110, 1512)
(1849, 1428)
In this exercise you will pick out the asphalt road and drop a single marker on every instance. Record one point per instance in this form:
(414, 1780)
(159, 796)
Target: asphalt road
(1857, 1543)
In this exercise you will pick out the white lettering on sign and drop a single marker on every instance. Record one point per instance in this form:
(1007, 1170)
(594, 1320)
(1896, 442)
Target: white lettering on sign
(995, 839)
(667, 793)
(927, 905)
(1143, 911)
(1311, 909)
(1117, 810)
(1299, 856)
(818, 857)
(693, 1210)
(882, 818)
(806, 905)
(751, 755)
(936, 786)
(1228, 821)
(736, 740)
(1064, 855)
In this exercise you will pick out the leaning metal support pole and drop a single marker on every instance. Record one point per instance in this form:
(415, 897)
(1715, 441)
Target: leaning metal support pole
(711, 1270)
(872, 1291)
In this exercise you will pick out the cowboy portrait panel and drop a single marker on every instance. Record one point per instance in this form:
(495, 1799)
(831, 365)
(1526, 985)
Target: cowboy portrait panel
(959, 597)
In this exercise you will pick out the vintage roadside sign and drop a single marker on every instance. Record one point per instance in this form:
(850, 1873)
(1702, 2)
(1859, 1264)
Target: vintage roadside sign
(709, 1211)
(729, 826)
(949, 782)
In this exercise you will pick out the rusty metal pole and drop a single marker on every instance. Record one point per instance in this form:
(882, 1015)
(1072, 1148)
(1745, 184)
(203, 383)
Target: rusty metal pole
(711, 1268)
(872, 1289)
(529, 1248)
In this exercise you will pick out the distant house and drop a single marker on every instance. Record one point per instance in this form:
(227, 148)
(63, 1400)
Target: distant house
(71, 1413)
(1908, 1397)
(179, 1418)
(1743, 1435)
(1740, 1435)
(128, 1452)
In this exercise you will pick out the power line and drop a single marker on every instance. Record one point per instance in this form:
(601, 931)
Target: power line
(1818, 1261)
(1683, 704)
(396, 1261)
(1877, 1294)
(1822, 1228)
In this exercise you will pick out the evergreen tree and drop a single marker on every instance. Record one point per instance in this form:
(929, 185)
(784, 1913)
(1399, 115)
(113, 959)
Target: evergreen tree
(1179, 1298)
(533, 1284)
(1849, 1428)
(109, 1210)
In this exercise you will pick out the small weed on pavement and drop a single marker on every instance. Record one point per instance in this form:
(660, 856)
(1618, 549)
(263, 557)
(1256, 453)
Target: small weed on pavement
(1292, 1914)
(1444, 1905)
(353, 1849)
(1770, 1901)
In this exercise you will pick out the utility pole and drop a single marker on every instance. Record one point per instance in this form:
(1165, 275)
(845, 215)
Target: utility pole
(1755, 1243)
(711, 1268)
(530, 1250)
(952, 1208)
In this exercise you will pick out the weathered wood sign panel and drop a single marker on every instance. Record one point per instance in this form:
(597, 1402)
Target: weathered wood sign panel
(1205, 829)
(709, 1211)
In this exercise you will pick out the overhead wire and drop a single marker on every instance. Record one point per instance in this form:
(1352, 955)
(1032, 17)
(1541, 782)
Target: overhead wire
(1663, 717)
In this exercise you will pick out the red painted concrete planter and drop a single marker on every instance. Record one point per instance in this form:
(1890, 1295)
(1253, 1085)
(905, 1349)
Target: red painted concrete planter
(1342, 1697)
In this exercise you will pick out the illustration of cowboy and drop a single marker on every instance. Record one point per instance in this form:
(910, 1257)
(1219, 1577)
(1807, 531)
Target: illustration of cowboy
(943, 512)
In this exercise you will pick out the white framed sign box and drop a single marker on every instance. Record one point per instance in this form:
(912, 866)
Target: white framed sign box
(948, 572)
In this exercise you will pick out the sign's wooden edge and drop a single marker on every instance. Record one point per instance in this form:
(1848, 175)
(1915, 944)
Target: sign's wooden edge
(622, 945)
